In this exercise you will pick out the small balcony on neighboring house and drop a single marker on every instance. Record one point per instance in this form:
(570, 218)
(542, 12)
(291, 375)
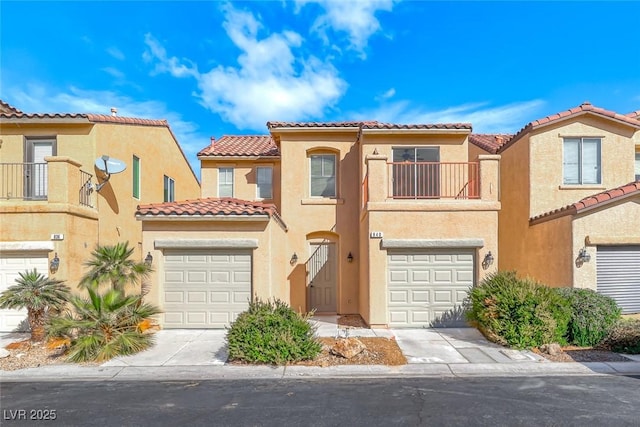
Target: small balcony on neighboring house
(393, 185)
(59, 180)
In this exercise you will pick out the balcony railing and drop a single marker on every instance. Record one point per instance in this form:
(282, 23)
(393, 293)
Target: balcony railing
(30, 181)
(26, 181)
(434, 180)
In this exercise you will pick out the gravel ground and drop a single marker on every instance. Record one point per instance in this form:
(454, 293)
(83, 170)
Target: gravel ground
(25, 354)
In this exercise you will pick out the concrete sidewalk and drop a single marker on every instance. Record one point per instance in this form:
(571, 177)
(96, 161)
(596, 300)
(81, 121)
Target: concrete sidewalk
(202, 354)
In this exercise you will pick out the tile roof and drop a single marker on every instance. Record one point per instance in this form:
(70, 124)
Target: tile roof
(7, 108)
(612, 195)
(93, 118)
(207, 207)
(634, 114)
(372, 124)
(585, 107)
(242, 145)
(489, 141)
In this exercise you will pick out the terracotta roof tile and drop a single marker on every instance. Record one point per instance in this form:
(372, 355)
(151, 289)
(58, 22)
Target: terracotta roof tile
(242, 145)
(207, 207)
(105, 118)
(611, 195)
(585, 107)
(634, 114)
(6, 108)
(489, 142)
(369, 125)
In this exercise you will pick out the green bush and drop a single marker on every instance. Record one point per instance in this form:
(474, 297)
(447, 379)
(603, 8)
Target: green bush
(517, 312)
(624, 337)
(271, 332)
(592, 315)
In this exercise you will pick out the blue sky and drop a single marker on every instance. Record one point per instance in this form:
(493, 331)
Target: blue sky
(213, 68)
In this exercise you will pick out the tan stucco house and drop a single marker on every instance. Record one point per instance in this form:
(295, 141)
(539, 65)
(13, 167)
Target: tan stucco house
(56, 200)
(570, 192)
(392, 222)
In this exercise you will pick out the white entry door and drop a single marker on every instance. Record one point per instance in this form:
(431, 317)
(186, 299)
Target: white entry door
(321, 268)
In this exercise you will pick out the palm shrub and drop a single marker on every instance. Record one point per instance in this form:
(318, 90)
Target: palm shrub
(39, 295)
(113, 265)
(271, 332)
(518, 312)
(103, 326)
(592, 315)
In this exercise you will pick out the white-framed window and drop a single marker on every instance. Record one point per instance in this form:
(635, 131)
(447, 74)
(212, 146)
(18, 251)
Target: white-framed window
(264, 181)
(169, 189)
(638, 165)
(323, 175)
(225, 182)
(581, 161)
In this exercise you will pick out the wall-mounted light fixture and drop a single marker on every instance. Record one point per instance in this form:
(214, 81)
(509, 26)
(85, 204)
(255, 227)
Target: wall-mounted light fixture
(487, 261)
(583, 256)
(148, 260)
(350, 257)
(294, 259)
(54, 264)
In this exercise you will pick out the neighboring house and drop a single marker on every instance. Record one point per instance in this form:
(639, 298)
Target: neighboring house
(570, 195)
(393, 222)
(56, 205)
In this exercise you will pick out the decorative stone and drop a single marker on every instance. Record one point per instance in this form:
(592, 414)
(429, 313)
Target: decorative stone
(4, 353)
(347, 347)
(551, 349)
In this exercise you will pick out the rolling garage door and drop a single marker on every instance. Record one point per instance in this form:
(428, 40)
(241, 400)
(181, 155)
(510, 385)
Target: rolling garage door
(10, 265)
(427, 287)
(205, 288)
(619, 275)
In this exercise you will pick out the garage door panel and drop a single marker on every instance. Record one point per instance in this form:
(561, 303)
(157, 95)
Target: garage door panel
(618, 275)
(11, 265)
(426, 286)
(215, 286)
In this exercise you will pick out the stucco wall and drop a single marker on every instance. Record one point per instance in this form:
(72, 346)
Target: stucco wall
(112, 218)
(617, 168)
(548, 255)
(270, 262)
(312, 219)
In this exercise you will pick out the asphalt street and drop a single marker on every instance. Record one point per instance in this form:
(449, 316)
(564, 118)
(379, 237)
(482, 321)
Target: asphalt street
(535, 401)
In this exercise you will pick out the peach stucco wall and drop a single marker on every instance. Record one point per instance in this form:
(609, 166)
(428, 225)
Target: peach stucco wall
(547, 189)
(112, 217)
(270, 261)
(244, 177)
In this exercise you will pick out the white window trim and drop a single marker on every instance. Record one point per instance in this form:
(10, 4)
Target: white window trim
(171, 188)
(335, 174)
(233, 178)
(580, 162)
(270, 168)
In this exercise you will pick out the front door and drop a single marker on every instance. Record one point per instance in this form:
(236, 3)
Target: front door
(35, 173)
(322, 277)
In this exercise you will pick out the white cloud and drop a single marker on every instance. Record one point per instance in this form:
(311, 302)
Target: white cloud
(483, 117)
(38, 98)
(356, 18)
(116, 53)
(114, 72)
(270, 81)
(386, 95)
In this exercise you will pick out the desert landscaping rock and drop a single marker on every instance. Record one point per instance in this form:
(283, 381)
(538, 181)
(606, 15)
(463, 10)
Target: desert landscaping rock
(347, 347)
(551, 349)
(4, 353)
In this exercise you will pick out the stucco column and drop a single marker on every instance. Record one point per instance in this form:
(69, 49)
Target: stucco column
(377, 171)
(63, 180)
(489, 176)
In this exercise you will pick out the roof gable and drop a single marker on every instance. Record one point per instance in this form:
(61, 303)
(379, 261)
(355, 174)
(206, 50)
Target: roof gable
(584, 108)
(489, 142)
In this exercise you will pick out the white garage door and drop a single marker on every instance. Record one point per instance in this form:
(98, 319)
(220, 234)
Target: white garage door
(205, 288)
(10, 265)
(427, 287)
(619, 275)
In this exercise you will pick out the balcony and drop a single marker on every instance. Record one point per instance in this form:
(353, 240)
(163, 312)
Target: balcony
(429, 185)
(59, 180)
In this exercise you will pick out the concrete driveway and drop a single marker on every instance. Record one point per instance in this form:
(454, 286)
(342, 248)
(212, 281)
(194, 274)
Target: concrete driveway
(185, 347)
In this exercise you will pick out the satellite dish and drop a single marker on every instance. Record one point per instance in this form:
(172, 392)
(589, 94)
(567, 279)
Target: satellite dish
(108, 165)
